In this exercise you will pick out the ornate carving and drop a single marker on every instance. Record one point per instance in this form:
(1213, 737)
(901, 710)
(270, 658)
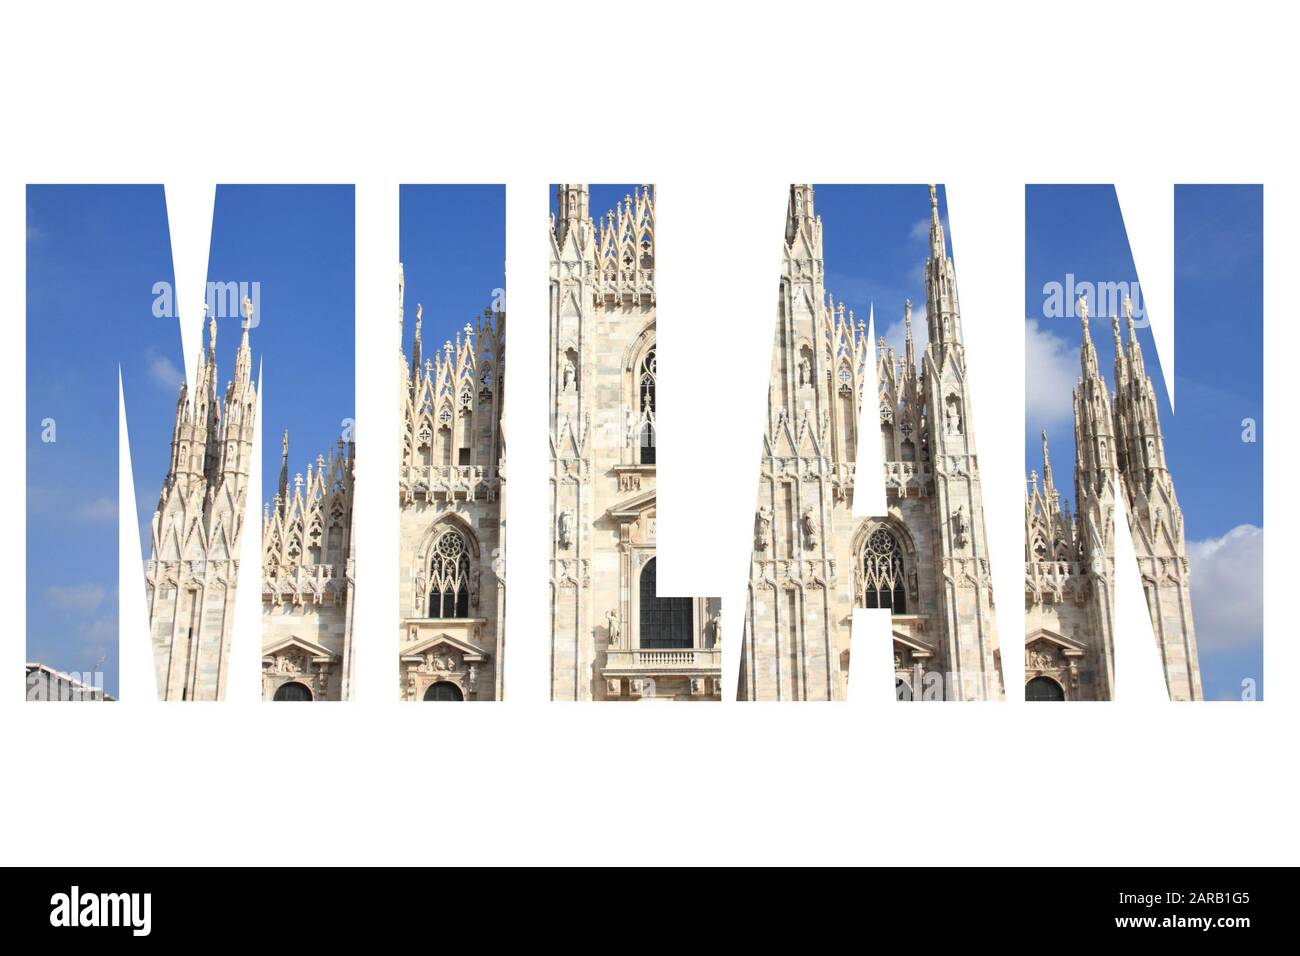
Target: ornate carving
(762, 529)
(1040, 657)
(434, 664)
(808, 525)
(960, 527)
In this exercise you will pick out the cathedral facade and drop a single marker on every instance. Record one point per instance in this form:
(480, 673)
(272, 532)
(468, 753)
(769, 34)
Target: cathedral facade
(1070, 559)
(614, 637)
(193, 568)
(308, 576)
(307, 552)
(813, 563)
(451, 494)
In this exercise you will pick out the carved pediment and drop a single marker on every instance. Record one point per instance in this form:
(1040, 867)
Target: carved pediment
(631, 509)
(915, 647)
(442, 643)
(297, 647)
(1066, 645)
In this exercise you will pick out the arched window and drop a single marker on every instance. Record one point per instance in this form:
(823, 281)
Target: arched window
(646, 376)
(449, 576)
(666, 622)
(882, 572)
(1044, 688)
(443, 690)
(292, 691)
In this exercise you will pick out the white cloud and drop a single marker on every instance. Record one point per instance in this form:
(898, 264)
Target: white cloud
(895, 336)
(921, 230)
(164, 372)
(1051, 368)
(81, 598)
(894, 329)
(98, 509)
(98, 639)
(1227, 591)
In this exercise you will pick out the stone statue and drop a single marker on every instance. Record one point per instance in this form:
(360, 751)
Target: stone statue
(762, 529)
(570, 374)
(612, 626)
(952, 420)
(960, 525)
(808, 524)
(566, 528)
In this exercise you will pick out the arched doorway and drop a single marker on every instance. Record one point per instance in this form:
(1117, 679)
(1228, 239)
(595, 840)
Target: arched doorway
(293, 690)
(443, 690)
(1044, 688)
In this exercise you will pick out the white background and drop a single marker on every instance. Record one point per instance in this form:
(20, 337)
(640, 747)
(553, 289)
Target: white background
(721, 108)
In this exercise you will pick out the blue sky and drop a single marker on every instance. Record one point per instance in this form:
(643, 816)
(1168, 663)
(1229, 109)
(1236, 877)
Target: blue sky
(876, 240)
(94, 256)
(1218, 289)
(453, 249)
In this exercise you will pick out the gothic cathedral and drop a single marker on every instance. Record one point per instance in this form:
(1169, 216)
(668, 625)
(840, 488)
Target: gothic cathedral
(451, 493)
(1070, 561)
(926, 560)
(308, 576)
(614, 637)
(307, 552)
(191, 574)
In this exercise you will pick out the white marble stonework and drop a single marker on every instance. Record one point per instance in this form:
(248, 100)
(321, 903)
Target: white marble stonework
(614, 637)
(451, 495)
(193, 565)
(812, 562)
(1070, 557)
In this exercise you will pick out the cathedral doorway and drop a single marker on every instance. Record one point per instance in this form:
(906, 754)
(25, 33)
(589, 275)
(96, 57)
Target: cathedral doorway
(443, 690)
(1044, 688)
(293, 690)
